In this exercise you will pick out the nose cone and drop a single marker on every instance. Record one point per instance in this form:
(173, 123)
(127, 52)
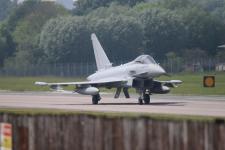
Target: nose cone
(157, 70)
(161, 71)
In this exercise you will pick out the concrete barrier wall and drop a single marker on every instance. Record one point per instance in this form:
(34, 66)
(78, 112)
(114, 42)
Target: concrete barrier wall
(89, 132)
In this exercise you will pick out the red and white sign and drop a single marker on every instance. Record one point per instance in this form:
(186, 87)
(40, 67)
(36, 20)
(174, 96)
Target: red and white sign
(5, 136)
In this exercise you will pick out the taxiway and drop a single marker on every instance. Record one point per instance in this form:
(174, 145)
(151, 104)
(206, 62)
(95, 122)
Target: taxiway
(160, 104)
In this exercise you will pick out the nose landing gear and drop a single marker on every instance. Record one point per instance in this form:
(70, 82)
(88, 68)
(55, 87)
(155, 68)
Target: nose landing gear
(144, 97)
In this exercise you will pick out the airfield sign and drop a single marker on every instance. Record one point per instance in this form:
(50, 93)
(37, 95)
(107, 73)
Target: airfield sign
(5, 136)
(209, 81)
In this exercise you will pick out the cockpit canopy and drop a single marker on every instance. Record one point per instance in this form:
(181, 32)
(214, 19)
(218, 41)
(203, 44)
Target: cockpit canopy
(145, 59)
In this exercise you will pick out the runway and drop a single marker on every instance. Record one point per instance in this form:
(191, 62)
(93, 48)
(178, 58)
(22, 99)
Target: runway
(160, 104)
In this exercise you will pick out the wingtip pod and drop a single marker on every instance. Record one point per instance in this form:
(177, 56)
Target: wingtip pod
(41, 83)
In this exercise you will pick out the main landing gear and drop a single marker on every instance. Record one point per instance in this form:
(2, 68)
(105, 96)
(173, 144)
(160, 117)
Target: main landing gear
(96, 98)
(144, 97)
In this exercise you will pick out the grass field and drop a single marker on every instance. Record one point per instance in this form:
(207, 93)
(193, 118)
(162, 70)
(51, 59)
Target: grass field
(27, 83)
(192, 83)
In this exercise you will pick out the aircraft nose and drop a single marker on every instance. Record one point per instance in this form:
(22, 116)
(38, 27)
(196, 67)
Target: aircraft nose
(161, 70)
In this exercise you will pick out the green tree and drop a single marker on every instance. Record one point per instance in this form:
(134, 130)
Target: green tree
(7, 45)
(85, 6)
(25, 25)
(174, 63)
(220, 55)
(6, 6)
(66, 40)
(220, 14)
(176, 4)
(209, 5)
(203, 29)
(164, 31)
(125, 28)
(194, 55)
(113, 10)
(121, 36)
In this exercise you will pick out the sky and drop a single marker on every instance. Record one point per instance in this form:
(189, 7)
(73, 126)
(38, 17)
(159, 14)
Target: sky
(67, 3)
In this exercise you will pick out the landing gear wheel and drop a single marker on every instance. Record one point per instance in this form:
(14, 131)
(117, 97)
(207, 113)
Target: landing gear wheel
(95, 99)
(146, 98)
(140, 101)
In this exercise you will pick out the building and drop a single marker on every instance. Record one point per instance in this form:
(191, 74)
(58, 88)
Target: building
(220, 67)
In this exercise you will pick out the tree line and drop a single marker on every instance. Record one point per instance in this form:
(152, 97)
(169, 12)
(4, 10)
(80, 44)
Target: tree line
(37, 32)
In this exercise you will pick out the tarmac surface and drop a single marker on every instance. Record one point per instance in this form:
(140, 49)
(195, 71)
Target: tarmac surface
(160, 104)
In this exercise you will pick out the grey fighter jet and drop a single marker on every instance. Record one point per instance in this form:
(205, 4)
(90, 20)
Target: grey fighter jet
(138, 74)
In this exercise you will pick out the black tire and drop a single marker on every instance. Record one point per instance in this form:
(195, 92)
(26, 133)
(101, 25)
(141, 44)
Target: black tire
(146, 98)
(140, 101)
(98, 97)
(95, 99)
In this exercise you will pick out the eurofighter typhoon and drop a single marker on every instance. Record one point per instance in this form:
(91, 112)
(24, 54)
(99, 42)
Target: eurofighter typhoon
(138, 74)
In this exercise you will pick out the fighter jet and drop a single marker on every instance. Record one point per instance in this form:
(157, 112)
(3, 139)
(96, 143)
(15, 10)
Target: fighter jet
(138, 74)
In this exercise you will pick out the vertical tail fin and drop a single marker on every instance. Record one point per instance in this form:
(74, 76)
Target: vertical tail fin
(101, 59)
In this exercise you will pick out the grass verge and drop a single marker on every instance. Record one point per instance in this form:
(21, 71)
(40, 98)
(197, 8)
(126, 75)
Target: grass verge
(165, 117)
(192, 83)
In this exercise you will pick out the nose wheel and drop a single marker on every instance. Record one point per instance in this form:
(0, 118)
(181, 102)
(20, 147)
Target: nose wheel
(147, 98)
(144, 97)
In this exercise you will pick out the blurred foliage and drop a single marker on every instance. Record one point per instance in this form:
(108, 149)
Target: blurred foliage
(203, 29)
(6, 7)
(22, 29)
(194, 55)
(86, 6)
(173, 61)
(7, 45)
(221, 55)
(164, 31)
(179, 30)
(68, 39)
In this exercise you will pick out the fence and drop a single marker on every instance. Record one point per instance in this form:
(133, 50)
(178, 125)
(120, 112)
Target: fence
(96, 132)
(63, 70)
(84, 69)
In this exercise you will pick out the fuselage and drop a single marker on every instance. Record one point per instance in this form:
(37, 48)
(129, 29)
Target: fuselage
(129, 70)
